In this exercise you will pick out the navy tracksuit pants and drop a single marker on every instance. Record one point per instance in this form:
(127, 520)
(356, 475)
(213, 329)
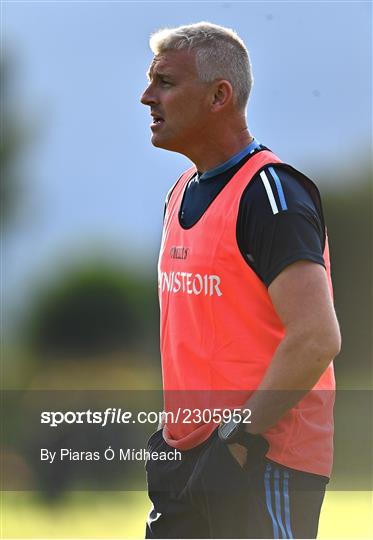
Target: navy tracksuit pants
(208, 495)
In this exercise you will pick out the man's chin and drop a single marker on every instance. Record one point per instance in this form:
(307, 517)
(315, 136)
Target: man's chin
(156, 141)
(162, 142)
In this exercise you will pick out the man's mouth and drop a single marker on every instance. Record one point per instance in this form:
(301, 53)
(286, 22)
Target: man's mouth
(157, 120)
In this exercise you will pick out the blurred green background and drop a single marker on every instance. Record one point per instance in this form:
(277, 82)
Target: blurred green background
(82, 206)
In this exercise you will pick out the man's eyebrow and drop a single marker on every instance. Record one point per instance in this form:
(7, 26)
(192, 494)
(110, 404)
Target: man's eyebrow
(158, 74)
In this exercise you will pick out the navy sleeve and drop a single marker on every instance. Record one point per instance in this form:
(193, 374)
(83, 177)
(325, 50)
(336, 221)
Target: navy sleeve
(280, 222)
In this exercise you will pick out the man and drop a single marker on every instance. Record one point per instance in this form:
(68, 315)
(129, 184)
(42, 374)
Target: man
(247, 318)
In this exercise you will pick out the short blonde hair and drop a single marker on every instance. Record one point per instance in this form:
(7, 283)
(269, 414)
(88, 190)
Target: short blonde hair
(220, 54)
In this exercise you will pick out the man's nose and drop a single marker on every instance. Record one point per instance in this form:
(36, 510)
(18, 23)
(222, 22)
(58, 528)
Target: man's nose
(148, 97)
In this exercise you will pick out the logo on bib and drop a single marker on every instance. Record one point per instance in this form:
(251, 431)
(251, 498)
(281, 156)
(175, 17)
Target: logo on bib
(189, 283)
(179, 252)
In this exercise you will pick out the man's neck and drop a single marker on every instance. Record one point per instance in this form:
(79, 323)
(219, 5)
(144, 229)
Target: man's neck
(215, 152)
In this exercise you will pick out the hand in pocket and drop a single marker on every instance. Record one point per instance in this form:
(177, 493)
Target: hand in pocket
(239, 453)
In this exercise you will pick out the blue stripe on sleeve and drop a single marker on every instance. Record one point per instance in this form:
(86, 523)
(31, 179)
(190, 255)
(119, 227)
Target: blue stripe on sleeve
(279, 188)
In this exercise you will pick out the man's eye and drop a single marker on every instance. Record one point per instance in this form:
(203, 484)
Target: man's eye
(165, 83)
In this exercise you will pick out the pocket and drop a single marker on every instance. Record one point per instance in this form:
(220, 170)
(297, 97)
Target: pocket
(216, 471)
(152, 443)
(229, 457)
(255, 455)
(152, 437)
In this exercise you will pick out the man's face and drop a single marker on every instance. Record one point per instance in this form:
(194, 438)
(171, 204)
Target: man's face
(179, 101)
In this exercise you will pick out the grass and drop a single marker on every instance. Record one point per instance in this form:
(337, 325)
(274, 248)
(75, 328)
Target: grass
(82, 515)
(345, 515)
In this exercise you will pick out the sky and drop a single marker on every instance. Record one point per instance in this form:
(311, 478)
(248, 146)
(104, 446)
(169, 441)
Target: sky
(91, 176)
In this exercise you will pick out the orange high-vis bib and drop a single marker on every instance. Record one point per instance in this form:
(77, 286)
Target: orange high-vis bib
(219, 332)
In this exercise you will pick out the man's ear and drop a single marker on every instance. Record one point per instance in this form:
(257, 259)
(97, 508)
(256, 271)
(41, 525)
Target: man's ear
(222, 96)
